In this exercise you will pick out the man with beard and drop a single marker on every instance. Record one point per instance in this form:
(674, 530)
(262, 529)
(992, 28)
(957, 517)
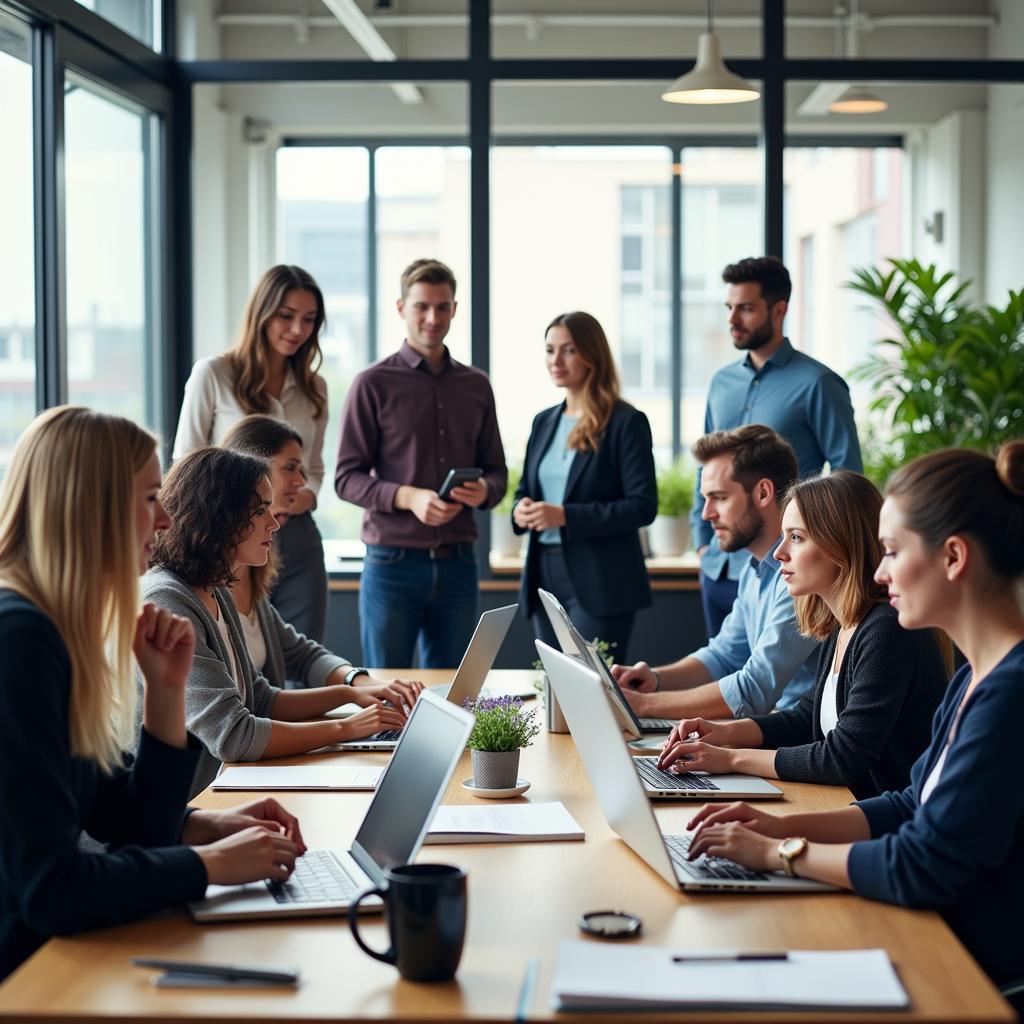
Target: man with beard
(774, 384)
(758, 660)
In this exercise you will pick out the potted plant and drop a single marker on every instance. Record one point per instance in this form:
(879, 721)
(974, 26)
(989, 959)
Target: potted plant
(501, 730)
(669, 534)
(505, 543)
(952, 375)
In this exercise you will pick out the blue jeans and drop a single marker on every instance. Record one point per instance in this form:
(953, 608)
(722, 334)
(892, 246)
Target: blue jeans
(405, 596)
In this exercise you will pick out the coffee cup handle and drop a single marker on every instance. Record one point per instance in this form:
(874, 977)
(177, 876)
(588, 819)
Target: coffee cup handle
(387, 957)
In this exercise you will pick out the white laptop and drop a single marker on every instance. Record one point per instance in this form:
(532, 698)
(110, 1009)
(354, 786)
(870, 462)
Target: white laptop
(622, 796)
(476, 663)
(327, 881)
(573, 643)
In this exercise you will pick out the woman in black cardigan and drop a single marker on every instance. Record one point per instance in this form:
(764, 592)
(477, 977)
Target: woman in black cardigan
(869, 716)
(588, 486)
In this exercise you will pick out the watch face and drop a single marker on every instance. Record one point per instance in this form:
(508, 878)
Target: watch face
(791, 847)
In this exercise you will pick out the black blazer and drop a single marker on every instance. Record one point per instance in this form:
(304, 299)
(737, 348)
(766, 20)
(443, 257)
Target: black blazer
(609, 495)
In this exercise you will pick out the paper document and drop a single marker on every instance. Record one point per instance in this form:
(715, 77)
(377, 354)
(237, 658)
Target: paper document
(589, 976)
(313, 776)
(517, 823)
(521, 686)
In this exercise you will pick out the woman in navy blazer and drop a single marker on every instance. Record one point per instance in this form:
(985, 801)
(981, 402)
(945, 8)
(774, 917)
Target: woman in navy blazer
(588, 486)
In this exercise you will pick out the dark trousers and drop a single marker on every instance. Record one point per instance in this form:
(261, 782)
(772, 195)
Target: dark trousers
(553, 575)
(300, 593)
(716, 598)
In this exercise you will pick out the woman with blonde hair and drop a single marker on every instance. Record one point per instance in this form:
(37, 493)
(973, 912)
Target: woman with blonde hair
(869, 717)
(952, 529)
(277, 649)
(588, 486)
(273, 369)
(79, 517)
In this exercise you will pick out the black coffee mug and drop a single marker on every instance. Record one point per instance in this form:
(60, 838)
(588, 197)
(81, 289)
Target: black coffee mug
(426, 911)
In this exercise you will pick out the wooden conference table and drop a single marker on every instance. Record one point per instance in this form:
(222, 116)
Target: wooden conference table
(523, 898)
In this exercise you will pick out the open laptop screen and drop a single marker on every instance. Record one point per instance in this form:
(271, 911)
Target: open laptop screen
(411, 788)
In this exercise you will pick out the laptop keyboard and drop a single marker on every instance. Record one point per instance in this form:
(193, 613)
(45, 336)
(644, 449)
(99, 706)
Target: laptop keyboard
(317, 878)
(651, 773)
(709, 867)
(388, 734)
(659, 724)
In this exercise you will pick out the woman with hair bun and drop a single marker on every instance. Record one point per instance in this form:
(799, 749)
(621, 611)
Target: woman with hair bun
(952, 526)
(273, 369)
(869, 717)
(588, 486)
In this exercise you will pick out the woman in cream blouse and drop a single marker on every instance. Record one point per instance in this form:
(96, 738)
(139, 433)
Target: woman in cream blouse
(273, 369)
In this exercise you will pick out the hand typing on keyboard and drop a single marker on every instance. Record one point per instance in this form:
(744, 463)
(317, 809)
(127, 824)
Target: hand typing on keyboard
(700, 743)
(740, 833)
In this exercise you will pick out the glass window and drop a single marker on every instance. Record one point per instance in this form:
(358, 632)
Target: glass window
(322, 201)
(17, 253)
(139, 18)
(422, 211)
(111, 332)
(579, 228)
(721, 223)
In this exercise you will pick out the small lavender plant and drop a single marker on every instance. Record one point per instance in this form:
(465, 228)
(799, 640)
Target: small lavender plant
(501, 724)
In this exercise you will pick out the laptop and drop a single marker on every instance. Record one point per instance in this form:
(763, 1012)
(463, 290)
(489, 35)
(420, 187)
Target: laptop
(622, 795)
(574, 644)
(327, 881)
(658, 784)
(476, 663)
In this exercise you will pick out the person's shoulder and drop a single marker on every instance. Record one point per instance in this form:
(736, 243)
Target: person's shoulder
(211, 368)
(167, 588)
(813, 369)
(626, 413)
(376, 371)
(23, 623)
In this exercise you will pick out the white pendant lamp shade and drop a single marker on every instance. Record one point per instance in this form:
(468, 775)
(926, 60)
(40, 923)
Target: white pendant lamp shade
(858, 100)
(710, 81)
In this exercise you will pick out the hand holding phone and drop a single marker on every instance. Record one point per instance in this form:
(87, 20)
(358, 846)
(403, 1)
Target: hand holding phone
(456, 478)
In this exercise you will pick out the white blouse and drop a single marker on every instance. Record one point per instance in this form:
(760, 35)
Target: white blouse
(254, 639)
(236, 669)
(210, 409)
(933, 776)
(829, 717)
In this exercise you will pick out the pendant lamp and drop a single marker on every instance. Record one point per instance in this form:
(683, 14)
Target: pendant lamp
(710, 81)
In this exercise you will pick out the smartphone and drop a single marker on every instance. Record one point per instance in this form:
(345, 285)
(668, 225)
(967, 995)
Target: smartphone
(456, 478)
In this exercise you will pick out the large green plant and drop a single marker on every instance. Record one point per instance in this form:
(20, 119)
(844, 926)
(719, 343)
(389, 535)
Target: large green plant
(675, 489)
(953, 376)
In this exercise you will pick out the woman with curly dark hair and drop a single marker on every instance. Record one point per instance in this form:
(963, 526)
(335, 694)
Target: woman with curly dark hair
(219, 502)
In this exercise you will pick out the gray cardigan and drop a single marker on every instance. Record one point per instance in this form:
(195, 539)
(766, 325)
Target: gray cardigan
(231, 727)
(292, 658)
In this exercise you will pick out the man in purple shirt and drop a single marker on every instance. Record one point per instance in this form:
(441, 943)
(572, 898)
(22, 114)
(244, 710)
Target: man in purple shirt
(408, 420)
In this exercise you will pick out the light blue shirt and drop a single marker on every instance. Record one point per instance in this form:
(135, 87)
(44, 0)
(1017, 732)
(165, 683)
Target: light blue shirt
(759, 658)
(795, 395)
(553, 472)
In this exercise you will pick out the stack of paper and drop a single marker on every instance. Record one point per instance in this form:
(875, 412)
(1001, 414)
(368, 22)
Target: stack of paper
(592, 976)
(517, 823)
(327, 776)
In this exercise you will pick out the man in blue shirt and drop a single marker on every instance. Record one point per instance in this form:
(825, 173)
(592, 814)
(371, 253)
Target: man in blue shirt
(774, 384)
(759, 660)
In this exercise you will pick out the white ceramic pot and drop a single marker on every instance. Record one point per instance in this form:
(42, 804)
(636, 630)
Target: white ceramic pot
(669, 536)
(504, 541)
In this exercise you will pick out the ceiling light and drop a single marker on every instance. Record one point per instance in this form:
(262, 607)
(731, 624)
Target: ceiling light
(710, 81)
(858, 99)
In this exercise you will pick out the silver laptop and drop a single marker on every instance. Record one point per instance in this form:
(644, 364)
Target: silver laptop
(476, 663)
(622, 795)
(573, 643)
(326, 881)
(657, 783)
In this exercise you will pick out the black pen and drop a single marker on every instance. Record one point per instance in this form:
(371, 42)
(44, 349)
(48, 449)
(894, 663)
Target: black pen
(228, 972)
(729, 958)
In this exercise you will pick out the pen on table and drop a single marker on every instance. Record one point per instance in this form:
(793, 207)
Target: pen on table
(729, 958)
(526, 989)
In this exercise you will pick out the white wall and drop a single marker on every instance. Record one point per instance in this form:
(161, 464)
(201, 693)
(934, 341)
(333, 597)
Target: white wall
(948, 177)
(1005, 152)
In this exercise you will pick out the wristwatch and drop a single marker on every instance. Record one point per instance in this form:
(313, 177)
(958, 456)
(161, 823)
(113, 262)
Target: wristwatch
(789, 850)
(351, 674)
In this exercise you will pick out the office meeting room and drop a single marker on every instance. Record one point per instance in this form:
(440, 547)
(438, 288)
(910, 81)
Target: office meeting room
(511, 510)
